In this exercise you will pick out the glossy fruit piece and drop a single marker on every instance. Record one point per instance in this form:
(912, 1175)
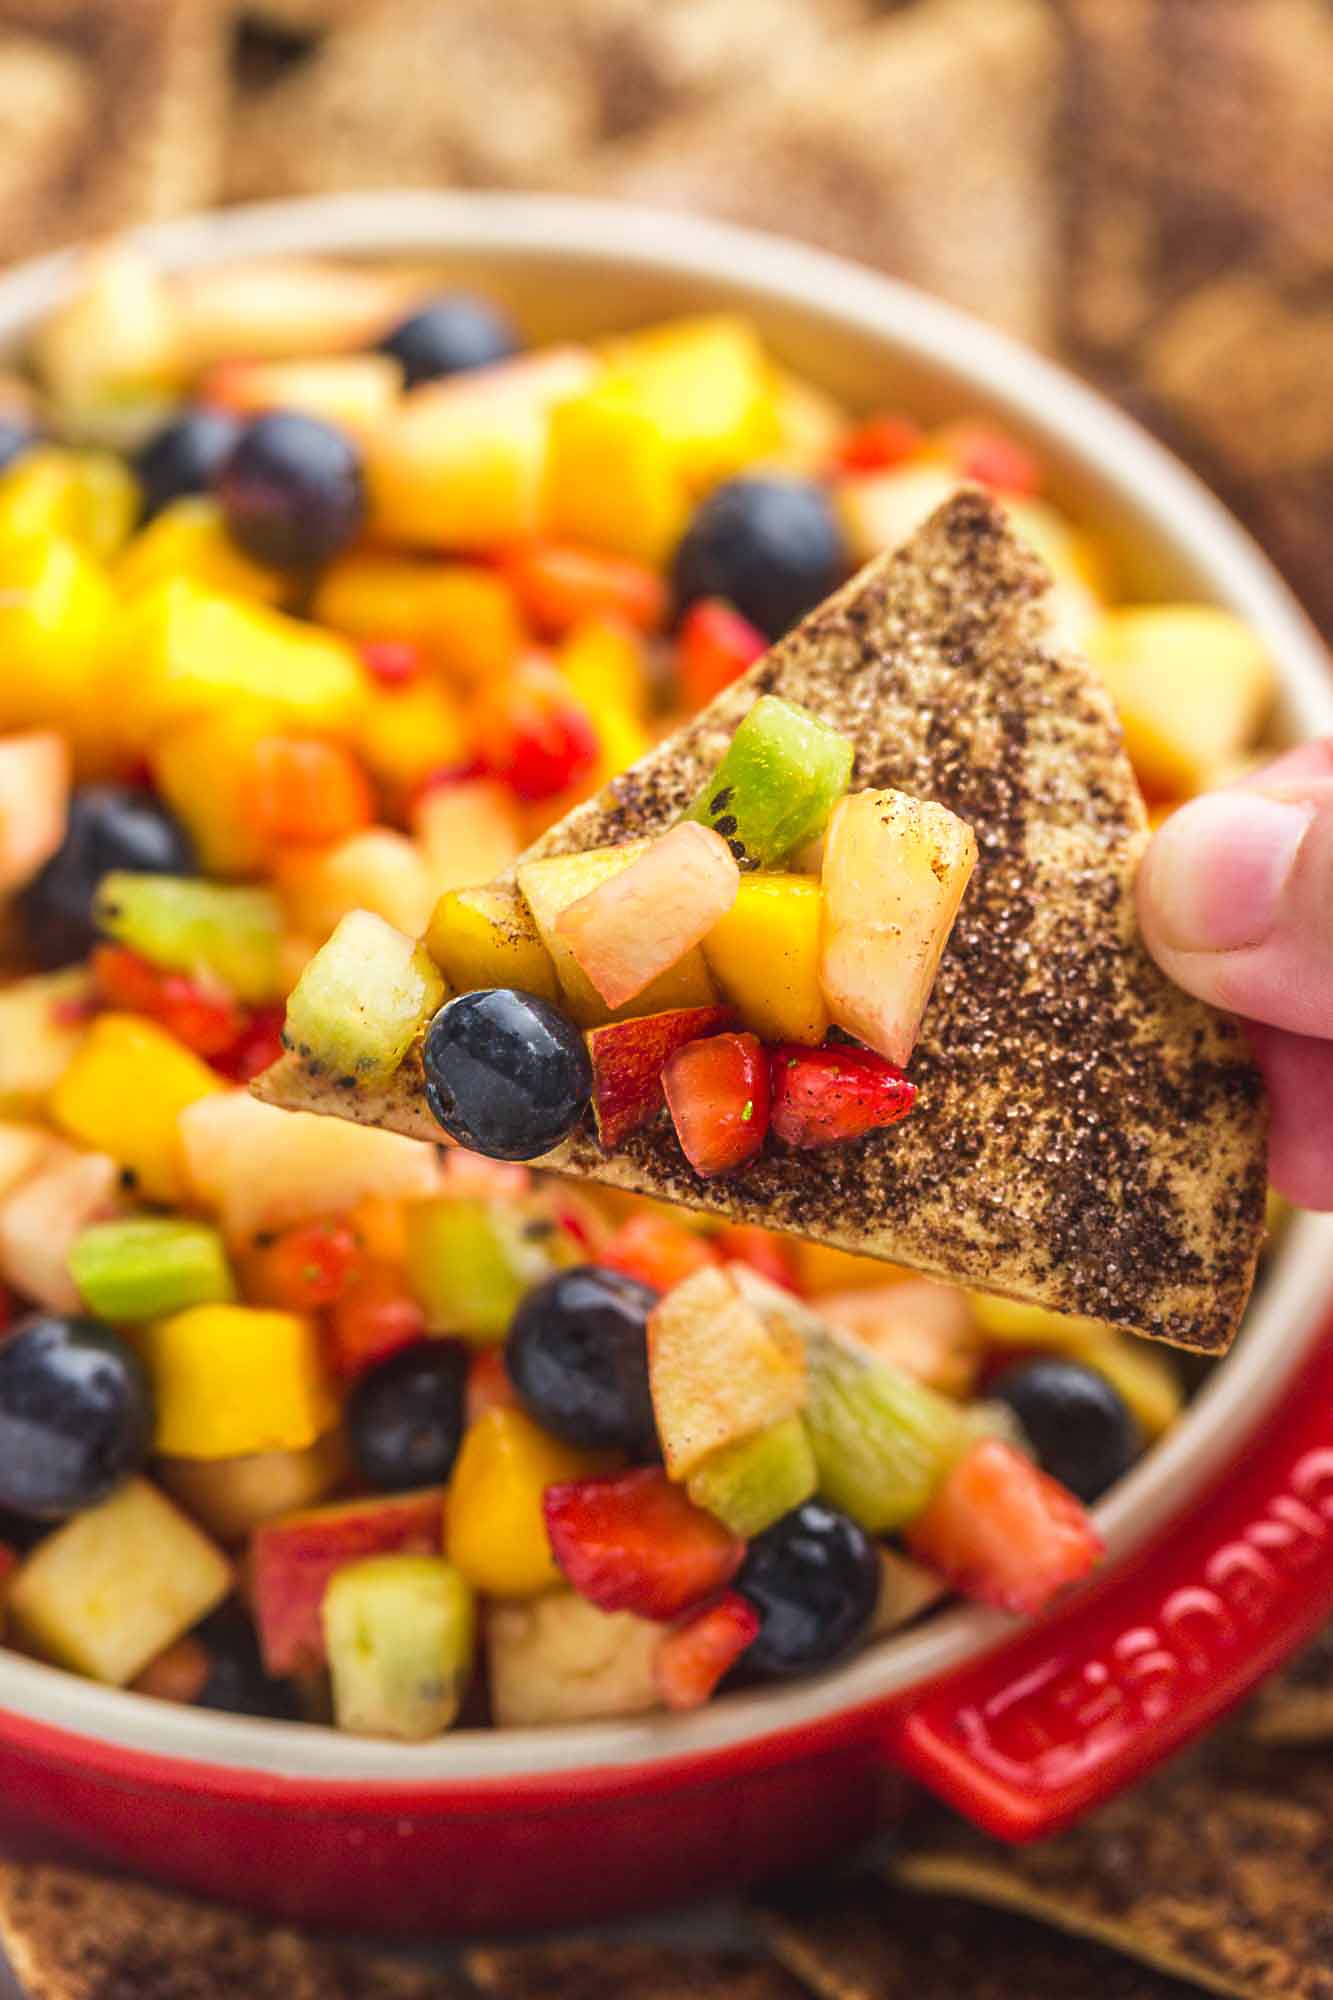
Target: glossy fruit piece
(718, 1369)
(1002, 1531)
(374, 1318)
(117, 1585)
(715, 646)
(983, 452)
(352, 393)
(468, 831)
(534, 735)
(284, 308)
(42, 1021)
(604, 662)
(203, 770)
(558, 1658)
(116, 333)
(56, 625)
(612, 481)
(1007, 1323)
(200, 1013)
(303, 790)
(43, 1216)
(717, 1092)
(107, 827)
(24, 1149)
(361, 1000)
(828, 1096)
(627, 1062)
(642, 921)
(448, 336)
(770, 544)
(880, 510)
(774, 1257)
(86, 497)
(700, 1652)
(255, 1049)
(405, 1416)
(636, 1543)
(1191, 685)
(755, 1481)
(814, 1578)
(577, 1356)
(923, 1328)
(882, 1441)
(461, 616)
(189, 539)
(486, 937)
(470, 1261)
(400, 1632)
(408, 733)
(506, 1074)
(188, 924)
(660, 1252)
(879, 444)
(895, 871)
(810, 422)
(393, 663)
(378, 869)
(706, 385)
(293, 1559)
(302, 1269)
(148, 1265)
(76, 1415)
(230, 1380)
(764, 955)
(781, 776)
(182, 456)
(1147, 1380)
(34, 804)
(496, 1532)
(292, 490)
(123, 1094)
(231, 1497)
(1077, 1423)
(560, 585)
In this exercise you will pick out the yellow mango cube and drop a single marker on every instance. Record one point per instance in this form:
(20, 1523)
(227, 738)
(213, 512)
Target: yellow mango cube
(495, 1531)
(117, 1585)
(764, 956)
(408, 732)
(612, 479)
(603, 662)
(204, 771)
(232, 1380)
(189, 539)
(123, 1092)
(706, 387)
(86, 497)
(1192, 685)
(378, 869)
(485, 937)
(462, 616)
(56, 622)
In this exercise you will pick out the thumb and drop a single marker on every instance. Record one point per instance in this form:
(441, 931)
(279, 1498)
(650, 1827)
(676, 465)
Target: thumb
(1236, 899)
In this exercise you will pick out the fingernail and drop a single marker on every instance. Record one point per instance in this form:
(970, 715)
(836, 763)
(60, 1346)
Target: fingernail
(1217, 871)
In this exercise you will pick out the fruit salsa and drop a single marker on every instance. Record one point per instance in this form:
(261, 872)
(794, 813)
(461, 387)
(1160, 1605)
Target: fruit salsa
(319, 600)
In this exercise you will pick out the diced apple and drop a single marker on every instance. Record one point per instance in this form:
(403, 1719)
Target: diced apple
(42, 1022)
(353, 392)
(34, 803)
(43, 1217)
(468, 832)
(1192, 684)
(23, 1149)
(879, 510)
(361, 999)
(718, 1370)
(378, 870)
(923, 1328)
(559, 1659)
(289, 308)
(400, 1631)
(486, 937)
(116, 335)
(627, 1062)
(895, 869)
(232, 1497)
(640, 923)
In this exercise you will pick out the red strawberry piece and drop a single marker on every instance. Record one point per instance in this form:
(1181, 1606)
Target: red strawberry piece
(627, 1062)
(255, 1049)
(772, 1256)
(559, 587)
(822, 1097)
(993, 459)
(636, 1543)
(715, 647)
(694, 1656)
(718, 1093)
(1005, 1532)
(373, 1318)
(302, 1268)
(658, 1252)
(879, 444)
(201, 1013)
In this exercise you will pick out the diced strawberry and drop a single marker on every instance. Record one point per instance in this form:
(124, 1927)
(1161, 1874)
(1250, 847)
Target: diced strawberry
(1003, 1531)
(303, 1268)
(822, 1097)
(992, 458)
(879, 444)
(304, 792)
(658, 1252)
(717, 1092)
(374, 1317)
(715, 647)
(772, 1256)
(201, 1013)
(255, 1049)
(394, 663)
(627, 1061)
(534, 736)
(694, 1656)
(488, 1384)
(559, 587)
(636, 1543)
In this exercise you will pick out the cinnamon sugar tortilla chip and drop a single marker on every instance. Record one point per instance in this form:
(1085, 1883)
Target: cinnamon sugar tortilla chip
(1087, 1137)
(1296, 1705)
(609, 1969)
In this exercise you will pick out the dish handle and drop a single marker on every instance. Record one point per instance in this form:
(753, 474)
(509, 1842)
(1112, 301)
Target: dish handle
(1069, 1712)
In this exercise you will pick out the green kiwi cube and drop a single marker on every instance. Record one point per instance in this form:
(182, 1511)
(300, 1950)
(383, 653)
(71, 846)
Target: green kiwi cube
(357, 1006)
(755, 1481)
(149, 1265)
(782, 775)
(230, 933)
(400, 1632)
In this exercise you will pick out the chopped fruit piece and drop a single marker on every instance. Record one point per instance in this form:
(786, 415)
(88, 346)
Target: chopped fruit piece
(496, 1533)
(470, 1262)
(124, 1093)
(612, 481)
(189, 539)
(302, 790)
(230, 1380)
(293, 1559)
(551, 885)
(1076, 1422)
(782, 774)
(232, 1497)
(43, 1217)
(34, 802)
(400, 1632)
(895, 869)
(86, 497)
(117, 333)
(459, 617)
(627, 1061)
(486, 937)
(715, 647)
(377, 870)
(718, 1369)
(880, 510)
(1192, 685)
(658, 1251)
(506, 1074)
(990, 456)
(469, 833)
(1146, 1378)
(906, 1589)
(108, 827)
(882, 1442)
(42, 1022)
(558, 586)
(117, 1585)
(190, 925)
(56, 623)
(373, 1318)
(773, 1256)
(636, 1543)
(768, 543)
(754, 1482)
(259, 1168)
(357, 1007)
(559, 1659)
(203, 769)
(534, 735)
(488, 1385)
(198, 1012)
(813, 1577)
(1007, 1323)
(23, 1150)
(706, 385)
(352, 391)
(604, 664)
(923, 1328)
(1004, 1532)
(641, 922)
(148, 1265)
(180, 1674)
(880, 443)
(764, 955)
(302, 1269)
(698, 1654)
(410, 732)
(284, 308)
(256, 1048)
(810, 422)
(394, 663)
(717, 1092)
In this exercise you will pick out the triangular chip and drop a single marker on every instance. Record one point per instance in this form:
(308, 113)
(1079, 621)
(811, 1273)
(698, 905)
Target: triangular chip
(1087, 1137)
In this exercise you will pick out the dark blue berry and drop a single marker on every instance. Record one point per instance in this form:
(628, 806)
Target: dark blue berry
(507, 1074)
(813, 1577)
(109, 826)
(1078, 1424)
(448, 336)
(292, 490)
(405, 1416)
(772, 547)
(578, 1355)
(184, 456)
(76, 1415)
(237, 1682)
(16, 437)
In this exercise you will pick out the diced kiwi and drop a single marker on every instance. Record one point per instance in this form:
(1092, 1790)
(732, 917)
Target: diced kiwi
(470, 1262)
(190, 925)
(361, 999)
(149, 1265)
(754, 1482)
(881, 1441)
(777, 784)
(400, 1632)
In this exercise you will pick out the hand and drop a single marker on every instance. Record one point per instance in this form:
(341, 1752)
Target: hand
(1236, 905)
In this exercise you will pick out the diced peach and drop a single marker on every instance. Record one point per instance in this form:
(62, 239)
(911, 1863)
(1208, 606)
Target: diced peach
(34, 801)
(636, 926)
(352, 391)
(274, 309)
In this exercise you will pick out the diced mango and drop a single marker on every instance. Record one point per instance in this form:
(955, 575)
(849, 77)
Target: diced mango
(117, 1585)
(1144, 1375)
(463, 617)
(495, 1531)
(42, 1022)
(468, 832)
(378, 870)
(189, 539)
(706, 387)
(407, 733)
(123, 1094)
(764, 956)
(612, 479)
(603, 661)
(86, 497)
(230, 1380)
(56, 625)
(1007, 1323)
(486, 937)
(1192, 685)
(204, 770)
(810, 423)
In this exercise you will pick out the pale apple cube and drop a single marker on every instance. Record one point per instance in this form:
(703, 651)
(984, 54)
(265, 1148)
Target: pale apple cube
(718, 1369)
(895, 869)
(45, 1213)
(559, 1659)
(34, 804)
(634, 927)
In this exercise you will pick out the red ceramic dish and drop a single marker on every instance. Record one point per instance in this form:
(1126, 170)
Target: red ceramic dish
(1220, 1542)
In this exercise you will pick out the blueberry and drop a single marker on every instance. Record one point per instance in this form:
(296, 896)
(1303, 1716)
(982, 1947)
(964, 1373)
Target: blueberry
(16, 437)
(292, 490)
(772, 547)
(109, 826)
(448, 336)
(578, 1356)
(236, 1680)
(1080, 1427)
(813, 1577)
(405, 1416)
(184, 456)
(506, 1073)
(76, 1415)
